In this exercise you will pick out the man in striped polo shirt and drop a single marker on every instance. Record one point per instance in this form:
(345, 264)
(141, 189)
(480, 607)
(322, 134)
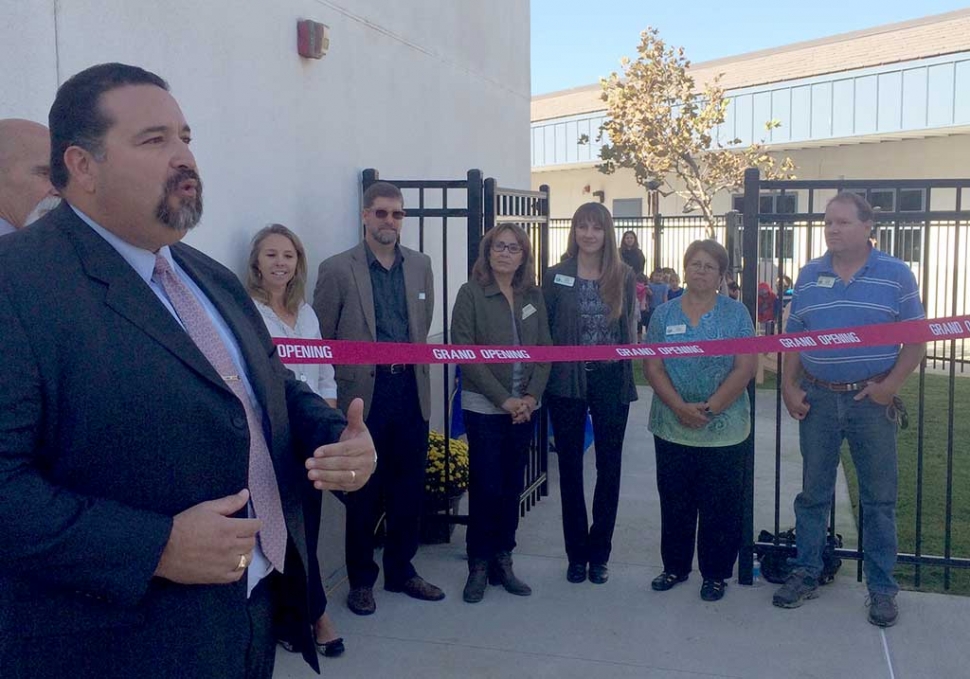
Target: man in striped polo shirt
(847, 393)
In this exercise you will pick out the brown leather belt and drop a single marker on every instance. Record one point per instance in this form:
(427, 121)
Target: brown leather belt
(845, 386)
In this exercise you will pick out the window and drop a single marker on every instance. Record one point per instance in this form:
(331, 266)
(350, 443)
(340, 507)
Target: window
(776, 242)
(627, 207)
(912, 200)
(893, 200)
(770, 203)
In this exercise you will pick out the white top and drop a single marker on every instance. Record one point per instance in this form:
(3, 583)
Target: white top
(318, 377)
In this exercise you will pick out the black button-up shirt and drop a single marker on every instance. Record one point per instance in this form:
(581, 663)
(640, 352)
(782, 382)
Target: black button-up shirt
(390, 300)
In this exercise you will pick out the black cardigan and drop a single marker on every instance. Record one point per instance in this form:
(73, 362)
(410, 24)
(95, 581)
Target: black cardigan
(568, 380)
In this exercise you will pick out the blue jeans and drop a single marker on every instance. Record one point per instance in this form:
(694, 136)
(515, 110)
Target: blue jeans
(835, 417)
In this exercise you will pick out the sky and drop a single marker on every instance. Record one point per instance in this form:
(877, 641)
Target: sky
(576, 43)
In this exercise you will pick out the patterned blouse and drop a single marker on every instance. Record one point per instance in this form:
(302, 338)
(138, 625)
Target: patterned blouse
(594, 315)
(696, 378)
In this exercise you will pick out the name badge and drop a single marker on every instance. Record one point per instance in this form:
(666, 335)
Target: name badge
(676, 329)
(563, 279)
(825, 281)
(421, 295)
(527, 311)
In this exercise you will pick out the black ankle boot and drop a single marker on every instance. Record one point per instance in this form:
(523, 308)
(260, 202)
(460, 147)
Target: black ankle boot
(500, 573)
(477, 581)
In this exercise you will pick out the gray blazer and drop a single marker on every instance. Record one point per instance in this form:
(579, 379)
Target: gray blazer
(344, 302)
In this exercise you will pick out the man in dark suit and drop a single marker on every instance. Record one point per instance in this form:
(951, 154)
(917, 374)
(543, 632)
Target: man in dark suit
(381, 291)
(152, 446)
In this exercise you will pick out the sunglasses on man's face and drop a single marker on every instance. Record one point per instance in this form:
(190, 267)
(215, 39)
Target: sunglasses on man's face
(397, 214)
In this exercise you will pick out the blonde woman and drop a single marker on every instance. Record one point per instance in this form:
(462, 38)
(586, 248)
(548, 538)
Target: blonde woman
(276, 280)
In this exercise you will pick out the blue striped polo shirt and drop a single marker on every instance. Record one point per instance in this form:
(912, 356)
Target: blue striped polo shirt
(883, 291)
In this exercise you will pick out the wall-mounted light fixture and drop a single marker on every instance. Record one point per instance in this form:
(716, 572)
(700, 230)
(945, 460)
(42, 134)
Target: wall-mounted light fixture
(312, 39)
(601, 195)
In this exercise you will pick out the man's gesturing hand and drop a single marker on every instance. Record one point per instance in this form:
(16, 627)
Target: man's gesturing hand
(206, 544)
(347, 464)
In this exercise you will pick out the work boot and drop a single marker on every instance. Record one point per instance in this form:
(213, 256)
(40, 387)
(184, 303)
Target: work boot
(798, 588)
(500, 573)
(882, 609)
(477, 581)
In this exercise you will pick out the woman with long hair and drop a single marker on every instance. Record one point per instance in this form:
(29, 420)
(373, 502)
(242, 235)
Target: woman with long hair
(591, 300)
(500, 305)
(631, 253)
(276, 280)
(700, 419)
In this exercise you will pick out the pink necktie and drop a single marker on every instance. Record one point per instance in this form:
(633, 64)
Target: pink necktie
(263, 488)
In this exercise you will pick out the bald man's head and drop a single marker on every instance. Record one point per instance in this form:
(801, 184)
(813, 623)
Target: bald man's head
(25, 150)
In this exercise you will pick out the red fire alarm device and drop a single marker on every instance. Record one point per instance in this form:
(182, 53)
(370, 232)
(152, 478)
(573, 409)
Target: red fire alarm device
(312, 39)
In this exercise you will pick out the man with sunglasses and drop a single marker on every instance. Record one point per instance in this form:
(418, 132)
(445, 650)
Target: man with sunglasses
(381, 291)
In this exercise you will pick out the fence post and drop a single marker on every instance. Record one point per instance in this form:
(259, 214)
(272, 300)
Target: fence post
(545, 211)
(475, 216)
(658, 229)
(749, 294)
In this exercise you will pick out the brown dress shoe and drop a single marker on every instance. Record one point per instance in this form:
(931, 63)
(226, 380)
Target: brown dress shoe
(417, 587)
(360, 600)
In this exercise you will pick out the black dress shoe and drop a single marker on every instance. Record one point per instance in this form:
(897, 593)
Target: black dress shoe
(712, 590)
(360, 600)
(417, 587)
(331, 649)
(576, 572)
(666, 580)
(599, 573)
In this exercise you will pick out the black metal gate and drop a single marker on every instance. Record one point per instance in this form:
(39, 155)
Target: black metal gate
(480, 204)
(926, 223)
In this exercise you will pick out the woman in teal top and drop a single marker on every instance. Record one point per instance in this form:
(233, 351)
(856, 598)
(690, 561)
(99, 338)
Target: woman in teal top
(700, 418)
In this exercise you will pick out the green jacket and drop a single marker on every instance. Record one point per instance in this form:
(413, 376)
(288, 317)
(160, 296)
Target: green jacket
(481, 316)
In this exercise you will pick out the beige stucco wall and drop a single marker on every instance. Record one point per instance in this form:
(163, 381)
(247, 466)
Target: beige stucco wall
(935, 157)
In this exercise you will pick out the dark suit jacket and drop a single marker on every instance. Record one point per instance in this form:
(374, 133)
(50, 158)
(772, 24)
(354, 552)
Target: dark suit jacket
(112, 422)
(344, 302)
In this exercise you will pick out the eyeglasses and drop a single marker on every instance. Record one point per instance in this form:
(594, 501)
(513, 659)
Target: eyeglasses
(513, 248)
(397, 214)
(701, 267)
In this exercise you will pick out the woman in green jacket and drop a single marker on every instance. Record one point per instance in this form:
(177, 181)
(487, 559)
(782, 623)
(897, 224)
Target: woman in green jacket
(500, 305)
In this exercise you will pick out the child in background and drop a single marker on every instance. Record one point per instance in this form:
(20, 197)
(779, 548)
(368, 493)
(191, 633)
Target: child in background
(734, 290)
(658, 293)
(673, 280)
(643, 293)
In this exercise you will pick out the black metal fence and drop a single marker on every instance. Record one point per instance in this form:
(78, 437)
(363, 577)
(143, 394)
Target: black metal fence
(476, 204)
(925, 224)
(663, 238)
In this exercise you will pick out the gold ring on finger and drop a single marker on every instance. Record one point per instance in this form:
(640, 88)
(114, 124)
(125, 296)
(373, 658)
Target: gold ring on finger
(353, 476)
(243, 562)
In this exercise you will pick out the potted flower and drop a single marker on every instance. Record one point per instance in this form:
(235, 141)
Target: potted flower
(444, 485)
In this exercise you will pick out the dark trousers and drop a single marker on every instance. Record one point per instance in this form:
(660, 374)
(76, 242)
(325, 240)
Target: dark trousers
(585, 543)
(261, 655)
(700, 490)
(497, 454)
(312, 507)
(400, 436)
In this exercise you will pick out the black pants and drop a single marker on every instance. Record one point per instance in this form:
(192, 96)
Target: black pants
(312, 506)
(700, 488)
(261, 656)
(400, 435)
(585, 543)
(497, 455)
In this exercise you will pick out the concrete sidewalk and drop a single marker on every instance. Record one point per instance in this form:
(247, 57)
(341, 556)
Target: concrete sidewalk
(623, 628)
